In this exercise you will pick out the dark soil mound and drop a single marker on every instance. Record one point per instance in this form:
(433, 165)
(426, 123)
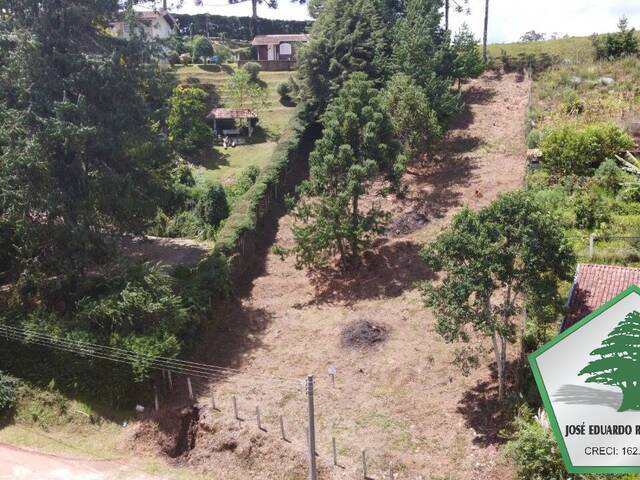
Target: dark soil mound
(362, 334)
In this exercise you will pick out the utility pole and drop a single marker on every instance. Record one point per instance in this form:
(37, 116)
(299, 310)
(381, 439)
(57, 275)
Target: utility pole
(313, 474)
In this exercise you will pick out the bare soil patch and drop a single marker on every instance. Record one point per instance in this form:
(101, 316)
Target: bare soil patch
(403, 401)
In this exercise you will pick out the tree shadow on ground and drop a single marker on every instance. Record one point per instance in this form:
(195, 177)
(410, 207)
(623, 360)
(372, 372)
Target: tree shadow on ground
(449, 173)
(387, 270)
(482, 410)
(211, 158)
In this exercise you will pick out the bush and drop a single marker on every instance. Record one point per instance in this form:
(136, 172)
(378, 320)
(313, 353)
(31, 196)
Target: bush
(213, 206)
(609, 176)
(590, 211)
(284, 90)
(244, 182)
(253, 69)
(569, 149)
(533, 450)
(616, 45)
(185, 58)
(534, 138)
(573, 104)
(8, 393)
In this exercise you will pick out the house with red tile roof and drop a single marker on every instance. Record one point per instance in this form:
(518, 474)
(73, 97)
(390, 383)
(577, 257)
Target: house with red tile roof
(595, 285)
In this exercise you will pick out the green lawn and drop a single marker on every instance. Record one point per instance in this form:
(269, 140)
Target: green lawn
(224, 165)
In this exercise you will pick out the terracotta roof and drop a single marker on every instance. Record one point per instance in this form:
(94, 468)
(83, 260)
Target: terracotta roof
(595, 285)
(277, 39)
(231, 113)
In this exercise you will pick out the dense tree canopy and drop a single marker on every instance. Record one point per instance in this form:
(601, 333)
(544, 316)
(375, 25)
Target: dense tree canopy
(81, 144)
(188, 130)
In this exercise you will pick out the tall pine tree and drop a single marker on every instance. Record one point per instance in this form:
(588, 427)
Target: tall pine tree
(357, 144)
(619, 362)
(346, 37)
(421, 49)
(82, 150)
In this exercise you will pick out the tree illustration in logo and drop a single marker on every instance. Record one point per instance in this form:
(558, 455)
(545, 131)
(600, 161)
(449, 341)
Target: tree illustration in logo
(619, 362)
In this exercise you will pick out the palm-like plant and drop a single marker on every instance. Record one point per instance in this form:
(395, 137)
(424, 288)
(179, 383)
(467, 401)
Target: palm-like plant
(631, 165)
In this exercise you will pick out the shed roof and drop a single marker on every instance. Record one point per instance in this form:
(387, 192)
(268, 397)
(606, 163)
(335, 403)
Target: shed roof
(277, 39)
(595, 285)
(231, 113)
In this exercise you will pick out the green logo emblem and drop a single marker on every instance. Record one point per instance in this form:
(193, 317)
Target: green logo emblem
(619, 362)
(589, 381)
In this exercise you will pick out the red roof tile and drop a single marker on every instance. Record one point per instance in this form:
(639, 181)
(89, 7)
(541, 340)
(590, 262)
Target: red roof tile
(595, 285)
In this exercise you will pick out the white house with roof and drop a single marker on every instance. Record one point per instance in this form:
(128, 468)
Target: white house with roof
(157, 24)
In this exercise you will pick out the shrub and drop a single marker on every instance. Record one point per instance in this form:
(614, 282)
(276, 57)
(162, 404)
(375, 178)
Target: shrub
(185, 58)
(284, 90)
(573, 104)
(591, 212)
(533, 450)
(244, 182)
(253, 69)
(213, 206)
(8, 392)
(534, 138)
(223, 52)
(609, 176)
(616, 45)
(569, 149)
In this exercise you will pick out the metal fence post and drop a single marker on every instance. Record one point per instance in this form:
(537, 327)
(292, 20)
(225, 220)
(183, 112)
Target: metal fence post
(313, 475)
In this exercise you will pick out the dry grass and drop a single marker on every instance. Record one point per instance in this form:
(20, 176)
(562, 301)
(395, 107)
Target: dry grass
(403, 401)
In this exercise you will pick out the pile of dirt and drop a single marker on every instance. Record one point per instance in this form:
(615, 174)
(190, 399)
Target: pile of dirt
(363, 334)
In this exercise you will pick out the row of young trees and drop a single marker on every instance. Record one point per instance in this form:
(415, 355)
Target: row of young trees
(379, 77)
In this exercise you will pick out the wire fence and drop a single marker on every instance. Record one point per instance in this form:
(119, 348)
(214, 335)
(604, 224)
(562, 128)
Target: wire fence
(300, 413)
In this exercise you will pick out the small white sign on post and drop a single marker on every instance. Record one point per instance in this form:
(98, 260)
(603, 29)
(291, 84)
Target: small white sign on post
(332, 373)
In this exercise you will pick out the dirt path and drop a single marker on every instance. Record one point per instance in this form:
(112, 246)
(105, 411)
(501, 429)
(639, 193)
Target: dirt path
(403, 401)
(19, 464)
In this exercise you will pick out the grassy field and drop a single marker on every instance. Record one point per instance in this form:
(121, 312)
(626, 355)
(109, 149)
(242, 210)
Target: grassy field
(224, 165)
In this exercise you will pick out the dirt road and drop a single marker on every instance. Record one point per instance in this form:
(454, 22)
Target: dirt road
(402, 400)
(18, 464)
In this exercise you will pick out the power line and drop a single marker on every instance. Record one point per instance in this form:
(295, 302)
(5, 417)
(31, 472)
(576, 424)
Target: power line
(128, 357)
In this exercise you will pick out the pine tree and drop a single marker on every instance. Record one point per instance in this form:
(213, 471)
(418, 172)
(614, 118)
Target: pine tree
(347, 37)
(357, 144)
(421, 49)
(468, 59)
(619, 362)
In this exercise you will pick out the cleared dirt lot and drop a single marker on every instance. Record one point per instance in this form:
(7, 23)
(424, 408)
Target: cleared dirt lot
(402, 399)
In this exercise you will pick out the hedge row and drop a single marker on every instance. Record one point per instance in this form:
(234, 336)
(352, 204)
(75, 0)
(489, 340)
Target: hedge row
(537, 62)
(240, 234)
(238, 28)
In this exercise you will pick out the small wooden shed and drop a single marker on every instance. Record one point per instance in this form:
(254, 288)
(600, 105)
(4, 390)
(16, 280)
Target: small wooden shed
(224, 120)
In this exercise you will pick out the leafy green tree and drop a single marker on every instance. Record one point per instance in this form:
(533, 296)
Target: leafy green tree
(421, 50)
(491, 259)
(415, 123)
(213, 206)
(468, 59)
(357, 144)
(618, 362)
(188, 131)
(75, 159)
(241, 92)
(347, 37)
(201, 48)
